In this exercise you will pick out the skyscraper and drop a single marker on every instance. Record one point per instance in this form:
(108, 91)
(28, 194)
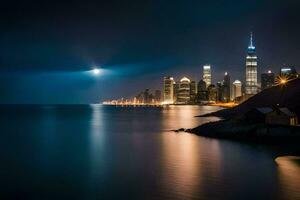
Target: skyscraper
(207, 74)
(288, 72)
(184, 91)
(193, 92)
(237, 89)
(212, 93)
(168, 90)
(220, 91)
(202, 91)
(226, 88)
(146, 95)
(140, 97)
(267, 80)
(157, 96)
(175, 91)
(251, 69)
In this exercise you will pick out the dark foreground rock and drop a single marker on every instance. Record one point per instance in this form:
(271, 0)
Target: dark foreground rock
(284, 96)
(248, 132)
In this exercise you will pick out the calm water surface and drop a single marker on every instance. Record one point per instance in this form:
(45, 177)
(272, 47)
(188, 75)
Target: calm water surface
(104, 152)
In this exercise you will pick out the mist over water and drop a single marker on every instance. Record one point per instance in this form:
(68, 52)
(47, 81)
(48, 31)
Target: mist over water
(106, 152)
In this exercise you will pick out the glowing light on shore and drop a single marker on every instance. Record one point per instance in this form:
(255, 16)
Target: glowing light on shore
(282, 80)
(167, 102)
(225, 105)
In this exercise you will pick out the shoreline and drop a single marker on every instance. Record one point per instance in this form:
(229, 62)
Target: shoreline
(247, 132)
(285, 140)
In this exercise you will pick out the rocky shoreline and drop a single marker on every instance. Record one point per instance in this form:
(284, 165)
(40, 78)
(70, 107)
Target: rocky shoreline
(234, 124)
(247, 132)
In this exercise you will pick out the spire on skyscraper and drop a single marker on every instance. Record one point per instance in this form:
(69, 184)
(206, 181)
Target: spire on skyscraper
(251, 46)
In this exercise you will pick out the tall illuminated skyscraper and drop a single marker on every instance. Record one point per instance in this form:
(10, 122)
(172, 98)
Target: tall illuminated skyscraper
(251, 69)
(184, 91)
(168, 90)
(207, 75)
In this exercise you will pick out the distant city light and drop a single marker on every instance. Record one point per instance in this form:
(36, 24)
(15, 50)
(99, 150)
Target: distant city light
(269, 72)
(286, 69)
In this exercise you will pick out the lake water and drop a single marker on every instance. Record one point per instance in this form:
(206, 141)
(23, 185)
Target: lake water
(106, 152)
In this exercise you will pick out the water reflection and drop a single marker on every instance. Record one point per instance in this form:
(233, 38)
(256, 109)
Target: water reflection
(289, 176)
(181, 169)
(189, 164)
(98, 152)
(175, 117)
(187, 159)
(97, 137)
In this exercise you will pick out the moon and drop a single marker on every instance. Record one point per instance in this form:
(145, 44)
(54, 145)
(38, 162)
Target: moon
(96, 71)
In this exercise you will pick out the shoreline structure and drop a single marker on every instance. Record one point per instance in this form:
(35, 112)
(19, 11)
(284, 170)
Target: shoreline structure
(234, 125)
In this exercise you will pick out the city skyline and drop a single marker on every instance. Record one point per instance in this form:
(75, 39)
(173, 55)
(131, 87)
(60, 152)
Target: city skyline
(47, 47)
(189, 91)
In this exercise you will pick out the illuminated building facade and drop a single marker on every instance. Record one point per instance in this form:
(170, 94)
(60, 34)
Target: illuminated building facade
(267, 80)
(236, 89)
(168, 90)
(251, 69)
(207, 75)
(184, 91)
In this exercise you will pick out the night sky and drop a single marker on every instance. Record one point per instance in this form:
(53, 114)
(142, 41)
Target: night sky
(48, 47)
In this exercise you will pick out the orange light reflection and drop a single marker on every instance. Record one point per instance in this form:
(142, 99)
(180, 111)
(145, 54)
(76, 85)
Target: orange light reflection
(289, 176)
